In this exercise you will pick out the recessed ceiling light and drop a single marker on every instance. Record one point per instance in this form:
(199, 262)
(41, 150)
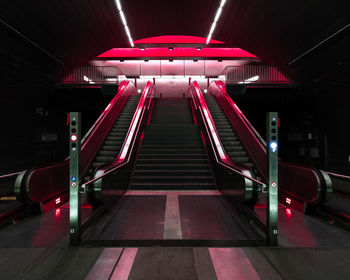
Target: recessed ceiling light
(142, 49)
(199, 48)
(170, 48)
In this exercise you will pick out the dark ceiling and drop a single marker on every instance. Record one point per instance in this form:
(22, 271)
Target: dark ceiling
(67, 33)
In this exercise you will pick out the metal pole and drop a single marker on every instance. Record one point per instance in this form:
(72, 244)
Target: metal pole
(74, 179)
(272, 180)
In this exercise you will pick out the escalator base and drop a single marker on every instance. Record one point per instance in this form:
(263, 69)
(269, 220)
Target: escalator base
(174, 243)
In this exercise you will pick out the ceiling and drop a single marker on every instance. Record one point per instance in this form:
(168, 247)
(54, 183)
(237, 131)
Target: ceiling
(43, 40)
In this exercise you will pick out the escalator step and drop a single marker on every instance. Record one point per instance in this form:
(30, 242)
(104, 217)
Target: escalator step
(113, 143)
(237, 153)
(107, 153)
(240, 159)
(104, 158)
(233, 148)
(111, 148)
(231, 143)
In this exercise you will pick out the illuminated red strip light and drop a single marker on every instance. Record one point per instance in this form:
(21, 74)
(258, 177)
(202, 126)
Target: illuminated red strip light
(210, 122)
(176, 52)
(134, 122)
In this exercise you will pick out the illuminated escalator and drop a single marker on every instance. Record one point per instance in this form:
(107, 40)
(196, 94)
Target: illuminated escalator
(228, 137)
(114, 141)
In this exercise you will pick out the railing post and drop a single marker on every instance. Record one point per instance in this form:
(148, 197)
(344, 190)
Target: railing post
(74, 179)
(272, 180)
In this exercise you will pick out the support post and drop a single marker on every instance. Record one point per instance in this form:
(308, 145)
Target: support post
(272, 180)
(74, 179)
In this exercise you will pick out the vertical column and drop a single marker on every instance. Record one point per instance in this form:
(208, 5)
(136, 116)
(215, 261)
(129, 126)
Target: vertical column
(272, 180)
(74, 179)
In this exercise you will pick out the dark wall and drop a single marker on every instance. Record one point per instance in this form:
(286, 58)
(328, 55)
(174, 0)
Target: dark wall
(314, 124)
(34, 129)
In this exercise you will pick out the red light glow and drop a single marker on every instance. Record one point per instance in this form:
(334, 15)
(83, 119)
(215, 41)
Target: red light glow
(117, 53)
(288, 200)
(289, 212)
(57, 212)
(73, 138)
(176, 39)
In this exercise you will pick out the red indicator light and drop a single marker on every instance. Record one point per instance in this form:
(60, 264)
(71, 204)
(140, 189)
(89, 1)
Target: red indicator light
(288, 200)
(73, 138)
(288, 212)
(58, 200)
(57, 212)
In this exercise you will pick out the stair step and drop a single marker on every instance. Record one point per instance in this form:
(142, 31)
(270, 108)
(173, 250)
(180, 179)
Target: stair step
(167, 172)
(173, 166)
(172, 179)
(181, 186)
(172, 156)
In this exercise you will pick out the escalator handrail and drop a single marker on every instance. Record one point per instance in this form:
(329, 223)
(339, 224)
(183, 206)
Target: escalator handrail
(336, 175)
(229, 164)
(10, 175)
(131, 134)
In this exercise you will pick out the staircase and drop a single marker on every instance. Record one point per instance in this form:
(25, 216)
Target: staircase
(114, 141)
(228, 137)
(172, 156)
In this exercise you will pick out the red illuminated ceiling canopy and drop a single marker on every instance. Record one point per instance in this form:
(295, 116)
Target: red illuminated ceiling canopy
(159, 53)
(176, 39)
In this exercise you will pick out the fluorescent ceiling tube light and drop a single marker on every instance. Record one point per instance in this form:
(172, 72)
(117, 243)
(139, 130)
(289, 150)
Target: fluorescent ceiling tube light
(127, 31)
(123, 19)
(118, 5)
(216, 18)
(218, 13)
(222, 3)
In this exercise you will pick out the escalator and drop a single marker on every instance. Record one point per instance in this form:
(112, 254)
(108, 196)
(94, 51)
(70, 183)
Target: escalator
(100, 146)
(301, 187)
(172, 155)
(228, 137)
(114, 141)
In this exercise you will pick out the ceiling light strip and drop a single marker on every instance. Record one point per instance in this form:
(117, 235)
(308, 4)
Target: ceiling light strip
(217, 16)
(123, 19)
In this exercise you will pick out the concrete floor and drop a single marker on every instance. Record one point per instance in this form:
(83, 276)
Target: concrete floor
(37, 246)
